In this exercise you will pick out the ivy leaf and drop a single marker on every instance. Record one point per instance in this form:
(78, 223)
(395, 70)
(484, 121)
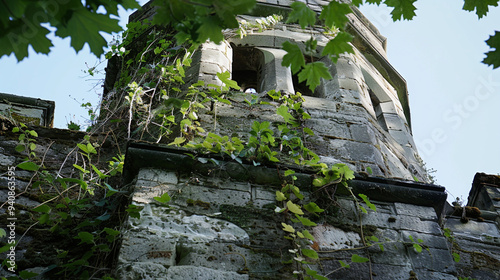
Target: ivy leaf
(283, 111)
(3, 233)
(335, 14)
(85, 237)
(481, 6)
(84, 27)
(338, 45)
(293, 58)
(368, 203)
(307, 235)
(344, 265)
(226, 79)
(294, 208)
(305, 221)
(280, 196)
(25, 274)
(178, 141)
(313, 72)
(358, 259)
(312, 207)
(288, 228)
(402, 8)
(310, 253)
(164, 198)
(456, 257)
(493, 57)
(301, 13)
(29, 166)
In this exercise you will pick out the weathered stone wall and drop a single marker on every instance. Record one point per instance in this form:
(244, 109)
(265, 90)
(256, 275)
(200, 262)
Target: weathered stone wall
(221, 224)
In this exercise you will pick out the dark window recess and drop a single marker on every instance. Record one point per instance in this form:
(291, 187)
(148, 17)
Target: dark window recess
(301, 87)
(247, 68)
(378, 110)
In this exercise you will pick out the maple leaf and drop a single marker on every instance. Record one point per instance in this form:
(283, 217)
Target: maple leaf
(84, 27)
(493, 57)
(481, 6)
(210, 29)
(338, 45)
(18, 38)
(402, 8)
(294, 57)
(313, 72)
(335, 14)
(301, 13)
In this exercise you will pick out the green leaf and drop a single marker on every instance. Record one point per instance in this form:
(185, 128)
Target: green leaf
(44, 208)
(313, 72)
(83, 147)
(294, 208)
(226, 79)
(308, 131)
(283, 111)
(335, 14)
(288, 228)
(289, 172)
(210, 29)
(302, 14)
(369, 170)
(178, 141)
(312, 207)
(367, 201)
(305, 221)
(84, 27)
(3, 233)
(417, 247)
(338, 45)
(19, 36)
(309, 253)
(293, 59)
(403, 8)
(29, 166)
(164, 198)
(33, 133)
(280, 196)
(343, 264)
(19, 148)
(15, 129)
(25, 274)
(481, 6)
(493, 57)
(111, 231)
(307, 235)
(85, 237)
(358, 259)
(456, 257)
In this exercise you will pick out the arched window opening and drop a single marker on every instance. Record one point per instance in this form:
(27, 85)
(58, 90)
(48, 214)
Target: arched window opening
(247, 68)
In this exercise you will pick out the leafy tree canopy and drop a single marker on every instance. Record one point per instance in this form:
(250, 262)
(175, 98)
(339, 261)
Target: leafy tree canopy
(26, 22)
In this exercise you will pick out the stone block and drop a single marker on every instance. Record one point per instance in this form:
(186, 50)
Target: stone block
(147, 247)
(472, 228)
(329, 127)
(332, 238)
(423, 212)
(362, 133)
(393, 121)
(211, 197)
(142, 270)
(210, 68)
(416, 224)
(433, 260)
(176, 224)
(157, 175)
(434, 275)
(190, 272)
(215, 57)
(429, 240)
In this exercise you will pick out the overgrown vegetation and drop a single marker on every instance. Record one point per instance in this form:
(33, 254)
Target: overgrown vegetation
(153, 101)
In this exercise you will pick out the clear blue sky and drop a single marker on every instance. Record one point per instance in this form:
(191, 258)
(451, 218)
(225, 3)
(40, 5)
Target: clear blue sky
(454, 98)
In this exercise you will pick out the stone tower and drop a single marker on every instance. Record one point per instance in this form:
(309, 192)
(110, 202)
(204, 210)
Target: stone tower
(361, 117)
